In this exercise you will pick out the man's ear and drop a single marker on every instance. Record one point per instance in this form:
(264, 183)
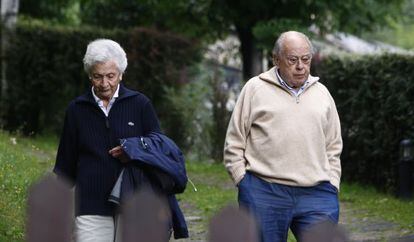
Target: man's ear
(120, 76)
(275, 60)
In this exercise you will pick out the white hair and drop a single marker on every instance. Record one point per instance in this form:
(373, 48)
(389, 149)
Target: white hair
(277, 49)
(103, 50)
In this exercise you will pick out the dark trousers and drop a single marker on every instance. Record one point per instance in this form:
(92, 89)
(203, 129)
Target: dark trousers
(279, 207)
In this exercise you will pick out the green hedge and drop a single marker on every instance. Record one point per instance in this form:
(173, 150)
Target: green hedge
(45, 71)
(375, 97)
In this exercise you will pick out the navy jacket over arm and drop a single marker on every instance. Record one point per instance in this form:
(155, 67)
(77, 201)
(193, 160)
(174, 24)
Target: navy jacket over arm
(87, 137)
(160, 152)
(157, 163)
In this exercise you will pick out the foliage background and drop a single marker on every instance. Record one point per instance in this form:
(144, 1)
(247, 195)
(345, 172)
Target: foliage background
(375, 97)
(45, 71)
(372, 93)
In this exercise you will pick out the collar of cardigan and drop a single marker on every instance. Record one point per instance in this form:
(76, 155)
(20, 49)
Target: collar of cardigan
(123, 93)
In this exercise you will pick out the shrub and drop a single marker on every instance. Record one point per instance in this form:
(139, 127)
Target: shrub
(203, 106)
(44, 70)
(193, 116)
(374, 96)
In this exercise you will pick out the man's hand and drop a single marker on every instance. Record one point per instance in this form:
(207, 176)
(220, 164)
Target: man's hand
(119, 153)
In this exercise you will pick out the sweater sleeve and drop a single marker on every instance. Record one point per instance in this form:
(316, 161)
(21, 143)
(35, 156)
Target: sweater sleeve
(334, 144)
(235, 142)
(67, 154)
(150, 120)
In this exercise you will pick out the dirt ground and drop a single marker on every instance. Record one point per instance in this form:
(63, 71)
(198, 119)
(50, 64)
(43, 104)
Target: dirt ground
(358, 224)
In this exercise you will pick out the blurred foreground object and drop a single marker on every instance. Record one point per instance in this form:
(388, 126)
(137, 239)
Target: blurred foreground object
(49, 211)
(232, 224)
(325, 232)
(145, 218)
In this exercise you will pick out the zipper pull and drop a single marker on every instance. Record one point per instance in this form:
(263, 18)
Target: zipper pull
(107, 123)
(143, 143)
(194, 187)
(297, 99)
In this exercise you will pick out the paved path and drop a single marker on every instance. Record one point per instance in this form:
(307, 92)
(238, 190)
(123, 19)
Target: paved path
(359, 224)
(361, 228)
(196, 224)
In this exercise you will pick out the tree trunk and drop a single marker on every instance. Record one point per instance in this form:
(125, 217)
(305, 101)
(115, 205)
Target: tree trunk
(252, 56)
(9, 10)
(221, 115)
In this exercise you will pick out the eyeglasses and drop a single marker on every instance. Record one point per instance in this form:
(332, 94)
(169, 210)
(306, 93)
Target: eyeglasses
(293, 60)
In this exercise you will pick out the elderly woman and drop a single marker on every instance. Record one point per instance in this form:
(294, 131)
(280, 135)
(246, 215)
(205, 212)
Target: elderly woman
(89, 155)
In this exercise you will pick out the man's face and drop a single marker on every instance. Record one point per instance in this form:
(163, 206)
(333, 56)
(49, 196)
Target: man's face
(294, 61)
(105, 78)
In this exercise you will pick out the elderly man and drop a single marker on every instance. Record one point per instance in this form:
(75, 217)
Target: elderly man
(89, 155)
(283, 144)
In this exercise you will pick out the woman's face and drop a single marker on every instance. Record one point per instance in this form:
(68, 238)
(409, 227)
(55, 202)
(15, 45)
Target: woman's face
(105, 78)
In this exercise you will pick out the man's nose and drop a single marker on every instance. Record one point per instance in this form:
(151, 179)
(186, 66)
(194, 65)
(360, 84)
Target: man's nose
(299, 65)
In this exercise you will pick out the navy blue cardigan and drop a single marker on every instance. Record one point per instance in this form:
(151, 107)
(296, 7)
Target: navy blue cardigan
(87, 137)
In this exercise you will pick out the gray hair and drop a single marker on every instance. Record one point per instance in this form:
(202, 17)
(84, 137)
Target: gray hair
(103, 50)
(277, 49)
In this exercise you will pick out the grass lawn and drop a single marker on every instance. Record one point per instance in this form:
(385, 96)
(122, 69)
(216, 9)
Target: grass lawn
(23, 161)
(379, 205)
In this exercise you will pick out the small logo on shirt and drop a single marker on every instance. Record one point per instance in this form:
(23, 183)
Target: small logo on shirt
(131, 124)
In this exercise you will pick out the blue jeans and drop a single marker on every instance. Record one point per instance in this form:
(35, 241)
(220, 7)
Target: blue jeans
(279, 207)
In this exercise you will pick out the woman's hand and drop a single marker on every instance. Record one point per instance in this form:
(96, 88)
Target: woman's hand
(119, 153)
